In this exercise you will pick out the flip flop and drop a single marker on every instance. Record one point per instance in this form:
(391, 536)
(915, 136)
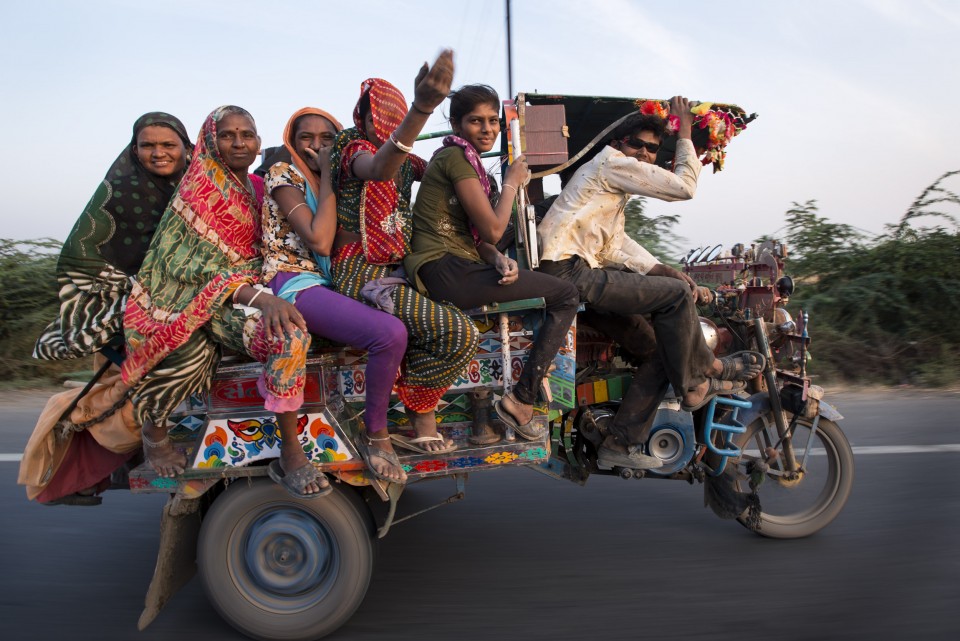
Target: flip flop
(714, 390)
(736, 366)
(414, 443)
(294, 482)
(368, 450)
(528, 430)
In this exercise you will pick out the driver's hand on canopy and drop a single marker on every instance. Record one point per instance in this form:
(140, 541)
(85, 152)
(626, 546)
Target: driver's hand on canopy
(508, 270)
(432, 85)
(279, 316)
(518, 173)
(680, 107)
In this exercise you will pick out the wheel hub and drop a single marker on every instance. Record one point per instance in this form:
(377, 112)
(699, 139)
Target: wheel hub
(287, 552)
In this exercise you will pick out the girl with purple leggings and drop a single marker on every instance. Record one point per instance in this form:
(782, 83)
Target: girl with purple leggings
(299, 225)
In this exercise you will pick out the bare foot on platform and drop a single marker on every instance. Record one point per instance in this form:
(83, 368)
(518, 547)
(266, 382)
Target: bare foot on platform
(428, 439)
(159, 452)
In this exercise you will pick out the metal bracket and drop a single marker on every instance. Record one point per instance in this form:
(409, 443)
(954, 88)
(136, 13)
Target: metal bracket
(390, 521)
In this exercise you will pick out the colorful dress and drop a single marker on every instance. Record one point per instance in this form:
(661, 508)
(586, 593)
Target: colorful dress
(178, 313)
(106, 247)
(296, 274)
(441, 339)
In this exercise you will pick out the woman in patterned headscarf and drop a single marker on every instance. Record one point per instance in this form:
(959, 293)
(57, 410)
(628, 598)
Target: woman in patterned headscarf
(108, 242)
(373, 172)
(206, 252)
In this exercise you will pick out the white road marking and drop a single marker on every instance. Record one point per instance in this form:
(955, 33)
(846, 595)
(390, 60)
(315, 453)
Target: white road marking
(862, 450)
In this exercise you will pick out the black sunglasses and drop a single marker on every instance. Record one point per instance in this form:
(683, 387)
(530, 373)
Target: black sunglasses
(652, 147)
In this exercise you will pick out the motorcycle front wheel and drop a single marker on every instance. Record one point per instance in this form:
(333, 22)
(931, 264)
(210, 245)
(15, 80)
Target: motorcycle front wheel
(797, 506)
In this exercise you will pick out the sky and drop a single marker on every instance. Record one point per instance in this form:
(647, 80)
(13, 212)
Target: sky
(854, 96)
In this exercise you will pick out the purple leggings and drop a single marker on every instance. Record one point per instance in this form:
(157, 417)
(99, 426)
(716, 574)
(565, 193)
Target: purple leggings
(344, 320)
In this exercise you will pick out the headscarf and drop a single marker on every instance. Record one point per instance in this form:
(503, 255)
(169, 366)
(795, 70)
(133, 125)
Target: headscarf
(107, 246)
(119, 221)
(206, 246)
(379, 209)
(289, 143)
(387, 105)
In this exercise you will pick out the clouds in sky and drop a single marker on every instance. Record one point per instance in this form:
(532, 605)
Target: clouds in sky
(855, 98)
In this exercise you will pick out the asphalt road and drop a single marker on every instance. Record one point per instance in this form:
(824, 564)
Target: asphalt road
(529, 557)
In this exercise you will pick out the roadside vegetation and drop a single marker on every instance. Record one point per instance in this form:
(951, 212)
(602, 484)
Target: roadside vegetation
(883, 310)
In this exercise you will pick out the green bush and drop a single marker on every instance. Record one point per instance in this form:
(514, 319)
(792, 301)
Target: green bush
(28, 301)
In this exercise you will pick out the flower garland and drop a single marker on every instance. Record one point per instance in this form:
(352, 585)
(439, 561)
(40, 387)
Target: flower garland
(721, 122)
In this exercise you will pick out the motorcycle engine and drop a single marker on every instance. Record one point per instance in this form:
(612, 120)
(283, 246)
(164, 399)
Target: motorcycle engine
(672, 438)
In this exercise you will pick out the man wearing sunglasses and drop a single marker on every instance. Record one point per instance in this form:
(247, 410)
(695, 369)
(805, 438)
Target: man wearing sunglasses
(622, 284)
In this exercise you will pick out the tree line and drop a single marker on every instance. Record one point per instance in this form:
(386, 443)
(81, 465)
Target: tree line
(882, 310)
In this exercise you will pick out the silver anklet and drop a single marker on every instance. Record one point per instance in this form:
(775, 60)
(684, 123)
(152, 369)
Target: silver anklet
(154, 444)
(371, 439)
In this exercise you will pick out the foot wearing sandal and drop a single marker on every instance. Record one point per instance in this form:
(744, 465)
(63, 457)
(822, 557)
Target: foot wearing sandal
(519, 416)
(701, 395)
(428, 440)
(300, 481)
(303, 484)
(377, 450)
(159, 452)
(740, 366)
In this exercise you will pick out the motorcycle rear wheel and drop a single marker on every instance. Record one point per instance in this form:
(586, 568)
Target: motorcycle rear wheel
(798, 507)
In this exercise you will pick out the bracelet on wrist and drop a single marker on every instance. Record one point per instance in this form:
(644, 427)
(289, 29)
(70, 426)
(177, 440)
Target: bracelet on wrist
(423, 111)
(250, 302)
(399, 145)
(236, 292)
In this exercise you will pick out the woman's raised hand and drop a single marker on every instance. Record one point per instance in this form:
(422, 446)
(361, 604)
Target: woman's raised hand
(433, 84)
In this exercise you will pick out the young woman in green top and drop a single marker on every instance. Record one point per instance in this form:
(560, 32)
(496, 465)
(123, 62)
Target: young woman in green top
(455, 228)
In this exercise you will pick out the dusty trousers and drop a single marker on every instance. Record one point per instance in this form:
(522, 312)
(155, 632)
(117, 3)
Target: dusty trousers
(670, 346)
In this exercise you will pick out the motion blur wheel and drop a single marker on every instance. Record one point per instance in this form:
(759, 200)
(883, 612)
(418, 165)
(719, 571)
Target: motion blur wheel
(277, 567)
(804, 503)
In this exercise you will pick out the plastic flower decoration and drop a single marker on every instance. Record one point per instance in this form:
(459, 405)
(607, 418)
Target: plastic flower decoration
(657, 108)
(721, 123)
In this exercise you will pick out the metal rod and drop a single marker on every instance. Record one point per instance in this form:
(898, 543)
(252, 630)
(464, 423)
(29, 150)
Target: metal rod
(509, 54)
(770, 377)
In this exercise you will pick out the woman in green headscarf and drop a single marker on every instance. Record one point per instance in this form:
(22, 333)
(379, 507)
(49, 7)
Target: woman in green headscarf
(111, 237)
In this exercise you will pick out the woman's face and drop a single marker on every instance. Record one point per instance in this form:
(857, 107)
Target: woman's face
(369, 129)
(313, 132)
(237, 141)
(480, 127)
(160, 150)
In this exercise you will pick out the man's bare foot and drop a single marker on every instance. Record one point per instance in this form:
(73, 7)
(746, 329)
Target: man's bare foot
(159, 452)
(425, 424)
(293, 458)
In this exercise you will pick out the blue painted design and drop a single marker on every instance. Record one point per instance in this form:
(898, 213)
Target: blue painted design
(164, 483)
(465, 461)
(733, 426)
